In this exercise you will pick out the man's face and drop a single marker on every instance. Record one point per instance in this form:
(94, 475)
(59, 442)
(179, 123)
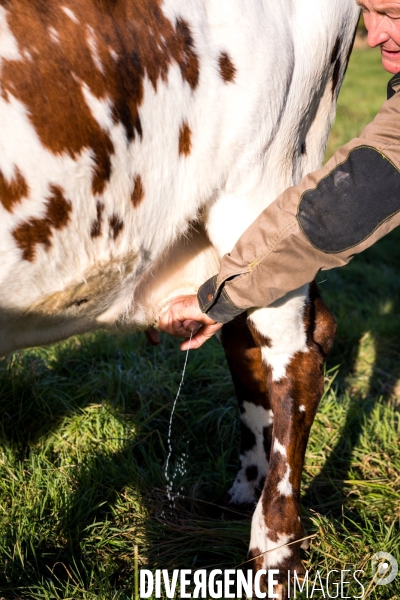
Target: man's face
(382, 20)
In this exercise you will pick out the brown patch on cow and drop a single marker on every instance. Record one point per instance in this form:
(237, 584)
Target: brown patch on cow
(188, 60)
(12, 191)
(303, 149)
(244, 359)
(303, 385)
(245, 362)
(226, 67)
(95, 230)
(116, 225)
(50, 85)
(185, 143)
(39, 231)
(260, 339)
(138, 191)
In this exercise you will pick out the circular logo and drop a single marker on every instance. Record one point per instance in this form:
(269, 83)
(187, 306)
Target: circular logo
(385, 567)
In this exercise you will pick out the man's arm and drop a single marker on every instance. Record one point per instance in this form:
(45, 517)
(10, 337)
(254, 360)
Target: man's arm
(333, 214)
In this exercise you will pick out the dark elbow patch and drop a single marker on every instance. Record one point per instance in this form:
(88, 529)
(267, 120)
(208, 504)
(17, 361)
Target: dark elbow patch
(351, 202)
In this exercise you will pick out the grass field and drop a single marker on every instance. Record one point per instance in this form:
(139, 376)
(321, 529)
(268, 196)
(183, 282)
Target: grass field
(84, 427)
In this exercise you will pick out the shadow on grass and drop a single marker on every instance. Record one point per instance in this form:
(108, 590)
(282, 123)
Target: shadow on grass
(124, 380)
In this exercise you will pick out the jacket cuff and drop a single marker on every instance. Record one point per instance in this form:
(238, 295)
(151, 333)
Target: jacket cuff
(215, 302)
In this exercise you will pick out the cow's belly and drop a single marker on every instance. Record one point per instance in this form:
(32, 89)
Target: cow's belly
(123, 293)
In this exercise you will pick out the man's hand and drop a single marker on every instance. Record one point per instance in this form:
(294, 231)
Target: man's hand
(184, 317)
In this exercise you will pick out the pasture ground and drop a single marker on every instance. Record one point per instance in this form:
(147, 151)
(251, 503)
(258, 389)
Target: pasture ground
(83, 439)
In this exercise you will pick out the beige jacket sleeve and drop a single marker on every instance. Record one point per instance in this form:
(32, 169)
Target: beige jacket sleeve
(333, 214)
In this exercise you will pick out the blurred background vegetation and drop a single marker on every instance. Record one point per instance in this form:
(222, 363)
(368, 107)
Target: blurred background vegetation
(361, 30)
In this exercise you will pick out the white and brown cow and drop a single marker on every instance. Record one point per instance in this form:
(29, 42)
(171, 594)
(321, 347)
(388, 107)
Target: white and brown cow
(138, 140)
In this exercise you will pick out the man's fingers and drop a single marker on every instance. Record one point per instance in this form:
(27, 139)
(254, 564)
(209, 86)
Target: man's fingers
(201, 336)
(184, 317)
(192, 326)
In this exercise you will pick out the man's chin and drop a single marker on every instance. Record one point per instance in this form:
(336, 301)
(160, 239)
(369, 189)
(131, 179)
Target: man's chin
(391, 64)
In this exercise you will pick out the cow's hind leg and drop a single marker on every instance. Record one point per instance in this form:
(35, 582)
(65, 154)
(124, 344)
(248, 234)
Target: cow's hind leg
(294, 337)
(248, 374)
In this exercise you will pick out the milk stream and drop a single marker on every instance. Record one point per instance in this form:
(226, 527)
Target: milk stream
(182, 460)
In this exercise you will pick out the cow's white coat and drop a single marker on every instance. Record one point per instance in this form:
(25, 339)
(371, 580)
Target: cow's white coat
(246, 139)
(246, 148)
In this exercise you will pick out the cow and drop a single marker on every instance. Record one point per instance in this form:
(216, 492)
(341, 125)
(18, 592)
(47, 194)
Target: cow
(138, 140)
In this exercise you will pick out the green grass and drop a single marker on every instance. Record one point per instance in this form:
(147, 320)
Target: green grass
(84, 427)
(362, 94)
